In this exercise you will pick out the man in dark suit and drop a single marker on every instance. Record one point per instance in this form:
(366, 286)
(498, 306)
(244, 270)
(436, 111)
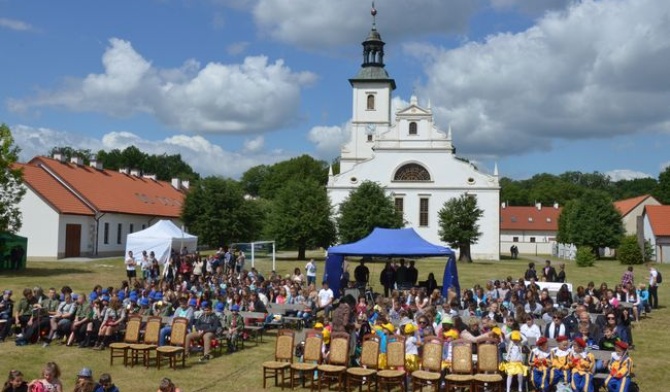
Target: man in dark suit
(549, 272)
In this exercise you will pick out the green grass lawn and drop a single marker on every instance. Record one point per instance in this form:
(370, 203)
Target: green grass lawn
(242, 371)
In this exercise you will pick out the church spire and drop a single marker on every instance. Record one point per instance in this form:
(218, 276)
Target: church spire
(372, 68)
(373, 47)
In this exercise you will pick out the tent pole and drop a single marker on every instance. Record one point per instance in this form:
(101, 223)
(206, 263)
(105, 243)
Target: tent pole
(253, 263)
(274, 263)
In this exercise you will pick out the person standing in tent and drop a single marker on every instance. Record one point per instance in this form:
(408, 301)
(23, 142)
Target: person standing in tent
(362, 275)
(131, 265)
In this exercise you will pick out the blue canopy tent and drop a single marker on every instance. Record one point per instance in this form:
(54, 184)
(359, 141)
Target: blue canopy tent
(391, 243)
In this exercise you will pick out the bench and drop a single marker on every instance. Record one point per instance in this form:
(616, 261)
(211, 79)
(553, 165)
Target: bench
(282, 309)
(252, 325)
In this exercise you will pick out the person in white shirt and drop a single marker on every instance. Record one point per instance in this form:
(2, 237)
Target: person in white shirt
(130, 267)
(326, 297)
(653, 286)
(529, 329)
(310, 271)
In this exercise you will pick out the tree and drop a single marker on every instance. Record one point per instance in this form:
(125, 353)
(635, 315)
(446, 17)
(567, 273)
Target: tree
(253, 179)
(69, 153)
(585, 257)
(164, 166)
(304, 221)
(215, 209)
(11, 182)
(663, 189)
(364, 209)
(592, 220)
(629, 251)
(303, 167)
(458, 224)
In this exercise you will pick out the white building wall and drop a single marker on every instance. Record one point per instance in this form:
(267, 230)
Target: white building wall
(630, 220)
(450, 178)
(114, 247)
(40, 226)
(527, 236)
(87, 224)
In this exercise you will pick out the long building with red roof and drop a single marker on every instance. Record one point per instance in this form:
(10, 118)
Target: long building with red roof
(72, 210)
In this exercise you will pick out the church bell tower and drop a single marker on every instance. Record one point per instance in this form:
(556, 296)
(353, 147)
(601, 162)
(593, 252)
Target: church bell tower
(372, 92)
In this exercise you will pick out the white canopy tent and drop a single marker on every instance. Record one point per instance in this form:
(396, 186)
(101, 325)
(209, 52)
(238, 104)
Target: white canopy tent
(160, 238)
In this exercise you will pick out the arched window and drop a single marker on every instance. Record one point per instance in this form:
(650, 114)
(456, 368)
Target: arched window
(412, 172)
(412, 128)
(371, 102)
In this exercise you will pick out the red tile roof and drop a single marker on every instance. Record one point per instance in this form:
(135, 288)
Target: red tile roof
(659, 218)
(529, 218)
(53, 192)
(111, 191)
(627, 205)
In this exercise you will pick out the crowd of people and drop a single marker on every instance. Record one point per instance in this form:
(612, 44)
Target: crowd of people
(50, 381)
(209, 289)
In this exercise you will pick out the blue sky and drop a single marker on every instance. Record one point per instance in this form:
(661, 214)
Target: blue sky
(536, 86)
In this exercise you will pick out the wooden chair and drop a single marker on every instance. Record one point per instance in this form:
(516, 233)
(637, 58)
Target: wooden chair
(132, 335)
(151, 338)
(283, 358)
(338, 360)
(310, 360)
(431, 365)
(177, 345)
(395, 359)
(369, 361)
(488, 374)
(461, 376)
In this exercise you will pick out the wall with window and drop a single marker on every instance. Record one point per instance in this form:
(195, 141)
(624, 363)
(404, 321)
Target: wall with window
(119, 227)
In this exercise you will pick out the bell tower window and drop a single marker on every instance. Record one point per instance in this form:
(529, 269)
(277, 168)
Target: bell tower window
(412, 128)
(371, 102)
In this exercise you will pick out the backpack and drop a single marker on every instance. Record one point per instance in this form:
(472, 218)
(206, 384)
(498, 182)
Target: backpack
(659, 277)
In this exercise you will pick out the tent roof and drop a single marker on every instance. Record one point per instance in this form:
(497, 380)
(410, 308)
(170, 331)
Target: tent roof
(391, 243)
(163, 229)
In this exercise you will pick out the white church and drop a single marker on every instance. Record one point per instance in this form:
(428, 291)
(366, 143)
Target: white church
(410, 157)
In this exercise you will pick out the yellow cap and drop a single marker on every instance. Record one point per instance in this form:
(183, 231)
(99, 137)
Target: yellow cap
(318, 326)
(451, 334)
(497, 331)
(389, 327)
(516, 336)
(410, 328)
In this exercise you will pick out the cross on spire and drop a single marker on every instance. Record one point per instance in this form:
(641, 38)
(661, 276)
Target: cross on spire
(373, 12)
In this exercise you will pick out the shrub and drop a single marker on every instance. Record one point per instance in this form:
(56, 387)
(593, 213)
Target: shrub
(585, 257)
(629, 251)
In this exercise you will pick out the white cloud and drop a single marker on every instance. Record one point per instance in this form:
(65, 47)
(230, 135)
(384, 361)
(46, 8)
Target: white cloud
(237, 48)
(15, 25)
(220, 98)
(204, 157)
(566, 77)
(254, 145)
(322, 23)
(626, 174)
(530, 6)
(328, 140)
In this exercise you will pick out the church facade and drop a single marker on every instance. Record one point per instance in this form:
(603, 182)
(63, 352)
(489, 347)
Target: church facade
(410, 157)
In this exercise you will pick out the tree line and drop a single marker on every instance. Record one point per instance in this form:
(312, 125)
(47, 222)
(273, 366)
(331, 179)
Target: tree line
(550, 188)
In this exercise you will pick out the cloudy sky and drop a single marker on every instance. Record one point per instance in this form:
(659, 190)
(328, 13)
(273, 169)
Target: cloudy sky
(536, 86)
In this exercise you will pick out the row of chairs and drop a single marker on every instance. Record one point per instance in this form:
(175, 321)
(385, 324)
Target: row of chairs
(131, 349)
(462, 374)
